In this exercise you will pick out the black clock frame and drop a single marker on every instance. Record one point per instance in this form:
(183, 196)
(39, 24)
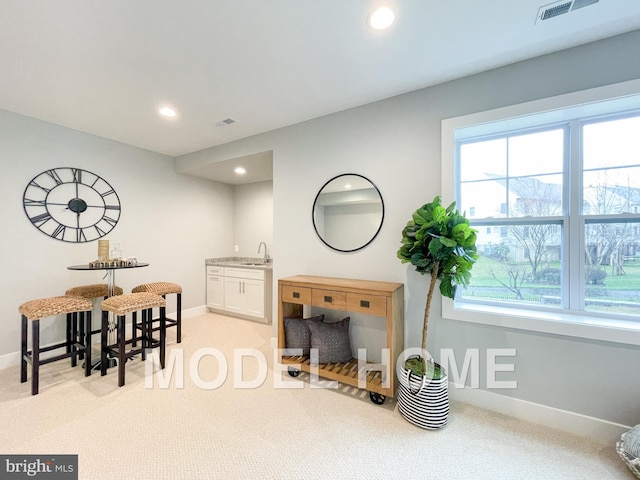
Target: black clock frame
(71, 204)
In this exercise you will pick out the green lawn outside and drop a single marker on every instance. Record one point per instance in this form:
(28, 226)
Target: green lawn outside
(481, 275)
(619, 294)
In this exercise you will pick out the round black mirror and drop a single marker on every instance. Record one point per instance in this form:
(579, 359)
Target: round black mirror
(348, 212)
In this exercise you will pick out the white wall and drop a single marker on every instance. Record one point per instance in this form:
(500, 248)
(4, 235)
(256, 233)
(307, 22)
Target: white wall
(396, 144)
(253, 218)
(171, 221)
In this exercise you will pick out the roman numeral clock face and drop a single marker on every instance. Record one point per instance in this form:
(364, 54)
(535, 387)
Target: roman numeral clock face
(71, 204)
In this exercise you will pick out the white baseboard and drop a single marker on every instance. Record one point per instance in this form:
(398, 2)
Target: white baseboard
(9, 360)
(596, 429)
(192, 312)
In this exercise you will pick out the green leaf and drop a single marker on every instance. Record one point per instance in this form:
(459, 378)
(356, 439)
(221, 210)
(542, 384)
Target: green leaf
(451, 207)
(419, 260)
(446, 288)
(439, 214)
(435, 246)
(460, 232)
(447, 242)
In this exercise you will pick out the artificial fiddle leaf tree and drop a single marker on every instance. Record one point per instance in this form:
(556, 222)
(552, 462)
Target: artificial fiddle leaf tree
(438, 242)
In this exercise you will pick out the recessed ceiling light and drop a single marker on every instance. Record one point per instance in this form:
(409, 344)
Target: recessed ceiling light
(167, 112)
(240, 170)
(348, 185)
(381, 18)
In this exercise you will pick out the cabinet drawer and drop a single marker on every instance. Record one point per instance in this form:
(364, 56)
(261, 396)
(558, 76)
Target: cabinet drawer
(214, 270)
(371, 304)
(299, 295)
(329, 299)
(244, 273)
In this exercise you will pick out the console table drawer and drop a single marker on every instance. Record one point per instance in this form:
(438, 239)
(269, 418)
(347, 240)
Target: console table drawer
(299, 295)
(371, 304)
(329, 299)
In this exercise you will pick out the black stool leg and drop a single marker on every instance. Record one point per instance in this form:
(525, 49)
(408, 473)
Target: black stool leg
(68, 333)
(23, 357)
(87, 344)
(122, 358)
(179, 317)
(72, 340)
(35, 357)
(81, 330)
(145, 333)
(103, 343)
(163, 335)
(134, 329)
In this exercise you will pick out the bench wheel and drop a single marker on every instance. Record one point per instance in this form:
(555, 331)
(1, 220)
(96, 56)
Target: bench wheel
(293, 372)
(377, 398)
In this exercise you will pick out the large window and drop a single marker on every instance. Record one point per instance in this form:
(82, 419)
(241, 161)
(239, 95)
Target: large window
(555, 198)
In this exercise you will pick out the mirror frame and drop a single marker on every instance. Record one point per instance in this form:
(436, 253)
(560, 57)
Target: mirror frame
(313, 213)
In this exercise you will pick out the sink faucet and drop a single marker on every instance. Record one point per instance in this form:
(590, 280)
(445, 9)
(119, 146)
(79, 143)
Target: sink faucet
(266, 255)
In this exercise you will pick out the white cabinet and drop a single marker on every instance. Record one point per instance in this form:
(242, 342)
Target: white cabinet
(254, 304)
(244, 291)
(215, 287)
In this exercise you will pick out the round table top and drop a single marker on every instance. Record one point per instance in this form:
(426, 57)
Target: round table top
(86, 266)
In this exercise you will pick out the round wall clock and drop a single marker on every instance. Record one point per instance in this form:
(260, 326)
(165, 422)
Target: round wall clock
(71, 204)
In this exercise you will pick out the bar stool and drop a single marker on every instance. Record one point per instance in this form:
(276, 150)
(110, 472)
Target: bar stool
(35, 310)
(163, 289)
(120, 306)
(90, 292)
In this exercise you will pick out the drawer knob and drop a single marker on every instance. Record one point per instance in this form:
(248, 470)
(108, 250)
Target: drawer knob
(364, 303)
(328, 299)
(296, 294)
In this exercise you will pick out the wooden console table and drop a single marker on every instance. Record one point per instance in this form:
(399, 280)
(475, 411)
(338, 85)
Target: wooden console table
(382, 299)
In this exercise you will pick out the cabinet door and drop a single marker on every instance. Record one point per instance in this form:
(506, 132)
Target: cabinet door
(233, 296)
(253, 292)
(215, 292)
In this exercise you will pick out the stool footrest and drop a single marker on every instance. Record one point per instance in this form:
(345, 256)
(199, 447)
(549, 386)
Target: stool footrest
(28, 357)
(170, 323)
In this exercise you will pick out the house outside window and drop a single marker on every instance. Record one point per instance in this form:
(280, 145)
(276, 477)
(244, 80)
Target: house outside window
(555, 198)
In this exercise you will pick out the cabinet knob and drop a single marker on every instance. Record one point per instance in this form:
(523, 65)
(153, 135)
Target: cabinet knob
(296, 294)
(328, 299)
(364, 303)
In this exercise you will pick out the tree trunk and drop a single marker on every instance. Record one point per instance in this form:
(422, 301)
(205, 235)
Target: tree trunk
(434, 279)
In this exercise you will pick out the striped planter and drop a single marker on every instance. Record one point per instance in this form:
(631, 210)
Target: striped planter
(425, 404)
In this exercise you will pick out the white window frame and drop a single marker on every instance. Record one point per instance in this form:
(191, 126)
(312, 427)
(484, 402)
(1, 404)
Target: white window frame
(574, 324)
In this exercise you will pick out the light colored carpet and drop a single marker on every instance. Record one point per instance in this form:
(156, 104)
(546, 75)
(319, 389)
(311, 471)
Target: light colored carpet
(267, 432)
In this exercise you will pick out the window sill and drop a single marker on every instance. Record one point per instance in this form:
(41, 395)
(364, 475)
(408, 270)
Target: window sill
(557, 323)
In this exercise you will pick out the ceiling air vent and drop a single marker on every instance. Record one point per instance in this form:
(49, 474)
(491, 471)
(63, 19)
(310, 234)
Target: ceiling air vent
(582, 3)
(555, 10)
(225, 122)
(560, 8)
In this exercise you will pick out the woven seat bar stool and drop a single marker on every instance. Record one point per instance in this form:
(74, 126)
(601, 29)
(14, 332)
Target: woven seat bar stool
(35, 310)
(120, 306)
(93, 291)
(163, 289)
(90, 292)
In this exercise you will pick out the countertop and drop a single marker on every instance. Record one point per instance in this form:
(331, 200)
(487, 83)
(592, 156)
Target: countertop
(241, 262)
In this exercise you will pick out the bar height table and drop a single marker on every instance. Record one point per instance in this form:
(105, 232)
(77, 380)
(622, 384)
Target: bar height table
(111, 268)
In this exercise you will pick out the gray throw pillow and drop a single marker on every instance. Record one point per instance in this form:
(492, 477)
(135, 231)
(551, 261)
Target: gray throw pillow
(332, 340)
(297, 334)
